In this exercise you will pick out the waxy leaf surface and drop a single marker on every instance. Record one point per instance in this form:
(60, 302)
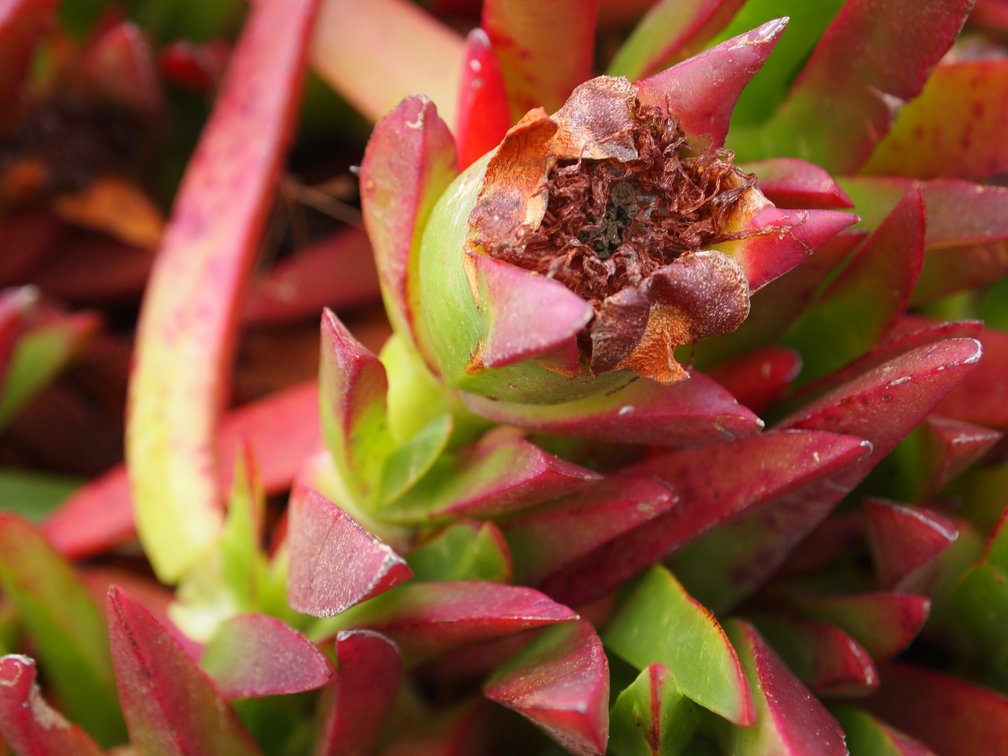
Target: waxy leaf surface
(334, 562)
(661, 623)
(484, 112)
(759, 378)
(651, 717)
(950, 448)
(561, 684)
(790, 182)
(170, 705)
(254, 655)
(467, 550)
(904, 539)
(212, 236)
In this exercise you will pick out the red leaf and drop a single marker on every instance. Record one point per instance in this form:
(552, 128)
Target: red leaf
(884, 623)
(544, 49)
(561, 684)
(27, 723)
(982, 397)
(334, 562)
(169, 704)
(952, 447)
(484, 116)
(904, 539)
(759, 378)
(22, 23)
(254, 655)
(119, 66)
(191, 306)
(702, 91)
(951, 716)
(790, 182)
(355, 706)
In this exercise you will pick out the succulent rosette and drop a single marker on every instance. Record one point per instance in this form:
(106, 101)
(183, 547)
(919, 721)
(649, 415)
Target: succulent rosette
(590, 244)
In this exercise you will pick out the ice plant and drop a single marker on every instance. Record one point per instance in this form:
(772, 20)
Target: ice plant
(688, 437)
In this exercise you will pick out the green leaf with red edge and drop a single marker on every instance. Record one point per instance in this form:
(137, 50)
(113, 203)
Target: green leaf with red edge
(428, 618)
(353, 709)
(544, 542)
(905, 540)
(806, 23)
(334, 562)
(338, 271)
(823, 657)
(701, 91)
(169, 704)
(867, 297)
(660, 622)
(788, 719)
(484, 112)
(408, 163)
(65, 626)
(41, 352)
(716, 484)
(279, 431)
(651, 717)
(420, 54)
(982, 397)
(842, 104)
(670, 31)
(467, 550)
(868, 736)
(881, 406)
(953, 129)
(642, 412)
(218, 215)
(760, 377)
(950, 715)
(561, 684)
(255, 655)
(22, 23)
(790, 182)
(27, 723)
(544, 50)
(502, 472)
(885, 624)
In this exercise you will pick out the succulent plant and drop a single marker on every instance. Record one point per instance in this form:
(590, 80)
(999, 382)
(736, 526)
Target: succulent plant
(688, 436)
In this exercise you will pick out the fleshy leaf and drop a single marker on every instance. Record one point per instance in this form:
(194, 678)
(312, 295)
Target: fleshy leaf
(651, 717)
(467, 550)
(982, 397)
(905, 539)
(426, 55)
(337, 271)
(789, 182)
(334, 562)
(27, 723)
(789, 719)
(949, 715)
(715, 483)
(842, 104)
(544, 50)
(823, 657)
(352, 397)
(644, 412)
(218, 214)
(950, 448)
(545, 541)
(759, 378)
(561, 684)
(484, 113)
(425, 618)
(254, 655)
(170, 705)
(702, 90)
(354, 708)
(408, 163)
(868, 736)
(118, 66)
(22, 23)
(66, 627)
(500, 473)
(669, 31)
(868, 296)
(953, 128)
(883, 623)
(661, 623)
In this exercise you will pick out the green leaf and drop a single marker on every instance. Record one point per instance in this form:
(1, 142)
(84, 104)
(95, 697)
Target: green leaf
(634, 728)
(661, 623)
(242, 562)
(466, 551)
(66, 627)
(867, 736)
(33, 495)
(411, 461)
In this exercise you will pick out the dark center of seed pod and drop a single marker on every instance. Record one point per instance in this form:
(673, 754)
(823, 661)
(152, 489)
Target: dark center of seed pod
(610, 224)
